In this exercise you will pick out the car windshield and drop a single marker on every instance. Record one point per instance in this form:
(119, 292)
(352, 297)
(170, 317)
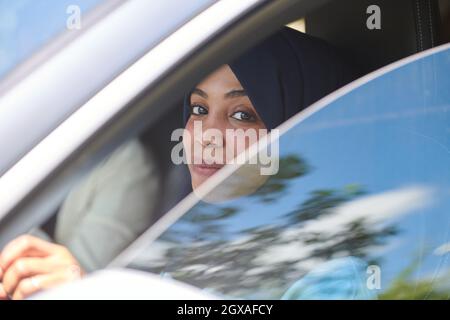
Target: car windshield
(28, 25)
(358, 209)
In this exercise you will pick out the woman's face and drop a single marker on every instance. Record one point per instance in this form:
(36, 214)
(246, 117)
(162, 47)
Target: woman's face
(219, 102)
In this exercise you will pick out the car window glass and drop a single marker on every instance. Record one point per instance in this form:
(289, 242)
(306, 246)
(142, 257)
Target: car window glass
(358, 208)
(27, 25)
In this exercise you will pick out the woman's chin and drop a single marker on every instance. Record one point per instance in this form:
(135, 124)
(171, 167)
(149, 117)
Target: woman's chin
(201, 173)
(242, 182)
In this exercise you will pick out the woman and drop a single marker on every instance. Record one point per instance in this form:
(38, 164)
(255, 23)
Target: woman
(261, 89)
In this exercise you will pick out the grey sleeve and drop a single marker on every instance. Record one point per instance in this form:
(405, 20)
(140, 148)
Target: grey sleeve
(111, 207)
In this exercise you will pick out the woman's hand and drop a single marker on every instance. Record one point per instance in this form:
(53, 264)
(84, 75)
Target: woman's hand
(3, 294)
(29, 265)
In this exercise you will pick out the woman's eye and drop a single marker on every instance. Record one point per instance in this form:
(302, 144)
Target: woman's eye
(198, 110)
(243, 116)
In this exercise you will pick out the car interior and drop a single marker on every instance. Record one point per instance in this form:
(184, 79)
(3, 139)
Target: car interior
(407, 27)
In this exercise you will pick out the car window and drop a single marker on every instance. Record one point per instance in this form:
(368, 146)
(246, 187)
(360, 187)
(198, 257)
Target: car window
(110, 39)
(358, 208)
(27, 25)
(117, 188)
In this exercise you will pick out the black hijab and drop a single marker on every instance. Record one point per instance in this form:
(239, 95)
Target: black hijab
(286, 73)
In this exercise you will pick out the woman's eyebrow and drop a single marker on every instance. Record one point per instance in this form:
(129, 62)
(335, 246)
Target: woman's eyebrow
(200, 92)
(236, 93)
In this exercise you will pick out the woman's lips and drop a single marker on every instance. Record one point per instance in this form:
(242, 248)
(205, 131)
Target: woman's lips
(206, 169)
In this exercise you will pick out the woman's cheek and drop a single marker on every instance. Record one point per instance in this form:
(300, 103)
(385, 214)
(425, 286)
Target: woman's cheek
(234, 145)
(237, 144)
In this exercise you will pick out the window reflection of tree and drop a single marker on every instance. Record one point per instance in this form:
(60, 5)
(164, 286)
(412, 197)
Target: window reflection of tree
(404, 287)
(206, 256)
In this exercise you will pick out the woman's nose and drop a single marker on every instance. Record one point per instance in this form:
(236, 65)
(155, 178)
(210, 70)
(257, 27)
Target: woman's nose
(213, 131)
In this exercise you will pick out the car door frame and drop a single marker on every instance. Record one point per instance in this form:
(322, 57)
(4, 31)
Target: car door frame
(36, 184)
(43, 91)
